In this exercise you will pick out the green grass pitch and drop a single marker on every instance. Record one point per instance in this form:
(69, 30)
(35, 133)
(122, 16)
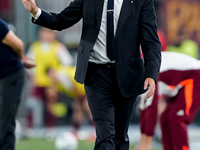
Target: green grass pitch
(42, 144)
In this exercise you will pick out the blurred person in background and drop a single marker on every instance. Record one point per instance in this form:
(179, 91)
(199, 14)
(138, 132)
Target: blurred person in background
(184, 45)
(47, 53)
(174, 104)
(64, 81)
(12, 76)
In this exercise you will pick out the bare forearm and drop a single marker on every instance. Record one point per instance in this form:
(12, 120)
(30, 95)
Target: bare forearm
(19, 48)
(15, 43)
(20, 51)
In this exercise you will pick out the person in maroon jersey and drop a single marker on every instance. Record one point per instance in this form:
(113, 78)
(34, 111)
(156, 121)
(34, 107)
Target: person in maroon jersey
(178, 84)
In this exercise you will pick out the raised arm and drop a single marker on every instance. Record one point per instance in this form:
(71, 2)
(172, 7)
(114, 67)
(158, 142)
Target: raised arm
(30, 5)
(56, 21)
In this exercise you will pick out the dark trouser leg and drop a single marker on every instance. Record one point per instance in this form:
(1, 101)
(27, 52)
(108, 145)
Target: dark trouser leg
(110, 110)
(123, 112)
(10, 94)
(103, 115)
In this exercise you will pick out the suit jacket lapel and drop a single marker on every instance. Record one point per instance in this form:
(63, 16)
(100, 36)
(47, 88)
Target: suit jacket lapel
(125, 10)
(99, 11)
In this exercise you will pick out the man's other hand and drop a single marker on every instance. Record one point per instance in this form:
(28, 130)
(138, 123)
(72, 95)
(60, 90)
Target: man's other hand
(149, 82)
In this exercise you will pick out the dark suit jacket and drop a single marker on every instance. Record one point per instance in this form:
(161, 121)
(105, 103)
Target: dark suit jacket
(136, 26)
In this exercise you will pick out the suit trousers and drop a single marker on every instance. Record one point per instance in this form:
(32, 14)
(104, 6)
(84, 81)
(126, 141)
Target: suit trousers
(10, 95)
(111, 111)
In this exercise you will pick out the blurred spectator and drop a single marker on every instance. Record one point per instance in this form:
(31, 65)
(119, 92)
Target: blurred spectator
(47, 53)
(12, 75)
(178, 84)
(186, 46)
(64, 80)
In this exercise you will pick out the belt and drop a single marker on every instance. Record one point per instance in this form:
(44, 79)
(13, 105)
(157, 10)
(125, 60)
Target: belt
(107, 65)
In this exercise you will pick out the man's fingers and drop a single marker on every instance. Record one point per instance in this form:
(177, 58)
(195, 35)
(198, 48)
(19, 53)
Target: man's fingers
(145, 84)
(149, 94)
(151, 83)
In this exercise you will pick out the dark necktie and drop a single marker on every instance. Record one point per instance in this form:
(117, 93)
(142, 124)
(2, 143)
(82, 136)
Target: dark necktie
(110, 30)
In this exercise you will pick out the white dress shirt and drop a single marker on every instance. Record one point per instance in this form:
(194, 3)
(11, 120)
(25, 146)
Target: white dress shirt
(99, 53)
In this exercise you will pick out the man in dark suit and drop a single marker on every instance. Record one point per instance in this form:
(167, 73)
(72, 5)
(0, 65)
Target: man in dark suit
(109, 59)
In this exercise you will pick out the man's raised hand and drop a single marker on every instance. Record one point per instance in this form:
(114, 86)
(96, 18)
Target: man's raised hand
(30, 6)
